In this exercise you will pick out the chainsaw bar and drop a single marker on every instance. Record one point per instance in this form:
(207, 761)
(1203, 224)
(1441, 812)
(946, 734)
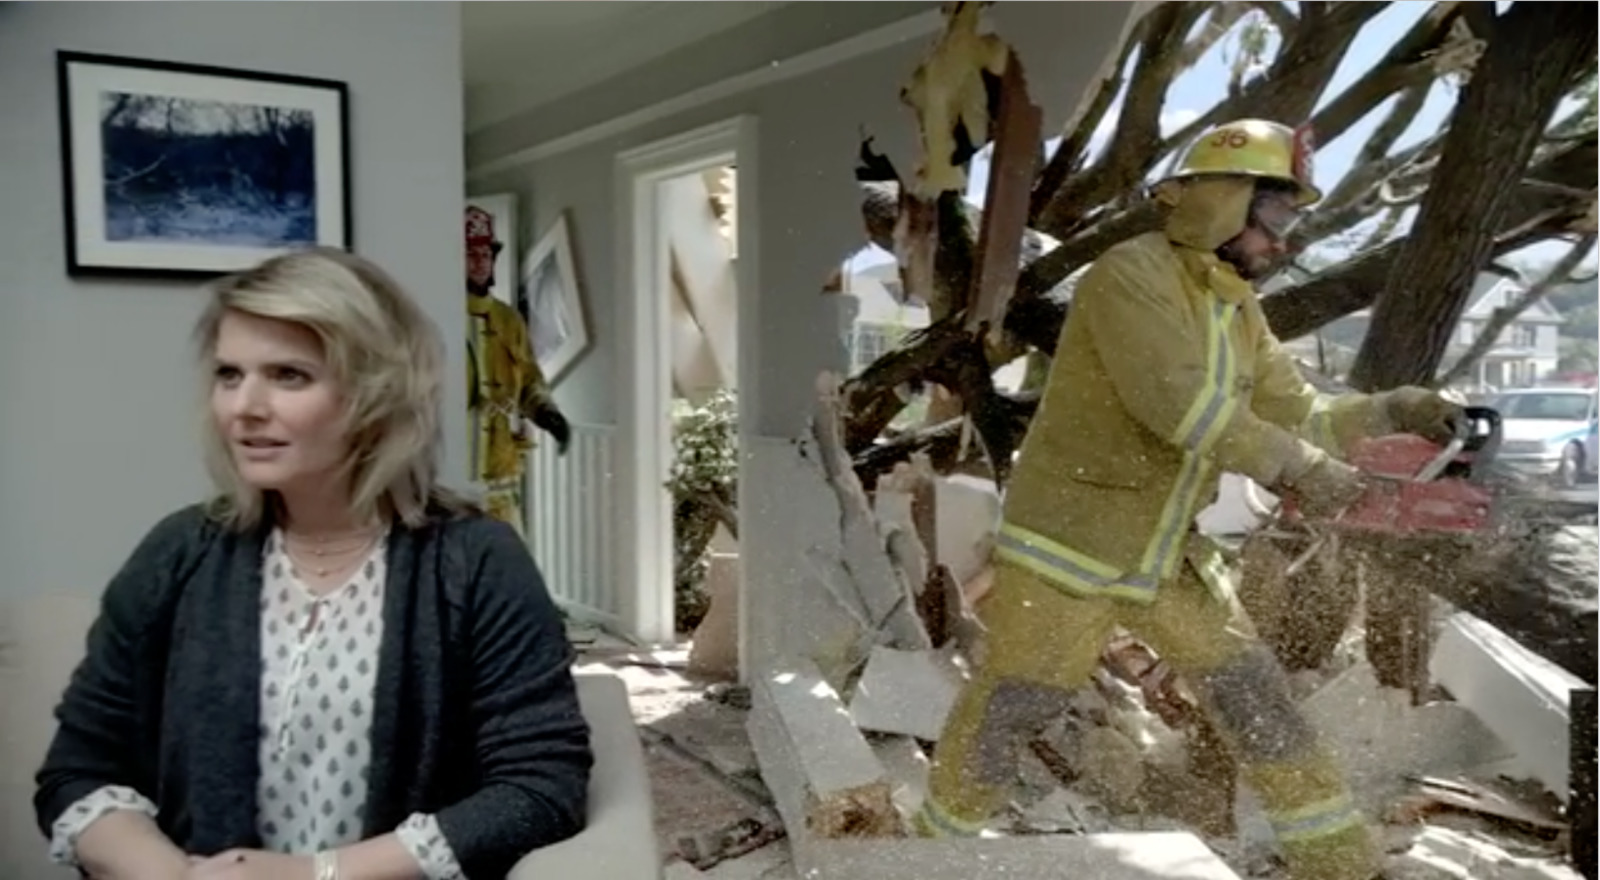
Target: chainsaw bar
(1416, 487)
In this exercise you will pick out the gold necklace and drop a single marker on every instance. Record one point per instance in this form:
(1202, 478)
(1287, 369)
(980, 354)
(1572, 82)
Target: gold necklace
(323, 571)
(332, 537)
(356, 553)
(331, 549)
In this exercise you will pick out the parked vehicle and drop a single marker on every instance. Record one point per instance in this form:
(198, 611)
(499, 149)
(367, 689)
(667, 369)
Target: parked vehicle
(1551, 432)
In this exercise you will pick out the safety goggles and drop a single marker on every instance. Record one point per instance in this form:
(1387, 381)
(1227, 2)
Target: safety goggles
(1275, 216)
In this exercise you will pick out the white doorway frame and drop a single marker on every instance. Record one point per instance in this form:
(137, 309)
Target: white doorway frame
(644, 366)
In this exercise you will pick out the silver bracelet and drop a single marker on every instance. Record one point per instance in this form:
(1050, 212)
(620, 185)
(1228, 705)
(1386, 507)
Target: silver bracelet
(325, 865)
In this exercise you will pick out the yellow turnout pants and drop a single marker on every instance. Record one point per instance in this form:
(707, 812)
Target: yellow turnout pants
(503, 501)
(1042, 641)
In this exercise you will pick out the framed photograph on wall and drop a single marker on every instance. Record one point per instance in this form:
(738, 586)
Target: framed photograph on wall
(554, 307)
(181, 170)
(502, 211)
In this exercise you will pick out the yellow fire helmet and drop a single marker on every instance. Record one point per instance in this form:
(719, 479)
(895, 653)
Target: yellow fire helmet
(1253, 148)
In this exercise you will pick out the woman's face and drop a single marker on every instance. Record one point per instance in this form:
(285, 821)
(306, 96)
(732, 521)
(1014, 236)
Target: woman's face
(277, 405)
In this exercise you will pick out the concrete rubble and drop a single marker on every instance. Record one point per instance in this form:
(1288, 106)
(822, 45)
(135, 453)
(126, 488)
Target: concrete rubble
(1118, 785)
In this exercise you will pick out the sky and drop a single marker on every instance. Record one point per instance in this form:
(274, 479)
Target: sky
(1200, 87)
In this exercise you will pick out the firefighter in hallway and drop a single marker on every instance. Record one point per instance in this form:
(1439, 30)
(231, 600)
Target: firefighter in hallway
(504, 383)
(1165, 376)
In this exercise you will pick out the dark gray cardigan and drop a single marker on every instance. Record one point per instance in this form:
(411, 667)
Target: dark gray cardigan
(475, 715)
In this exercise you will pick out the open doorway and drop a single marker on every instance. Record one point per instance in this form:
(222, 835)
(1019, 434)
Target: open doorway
(685, 230)
(700, 211)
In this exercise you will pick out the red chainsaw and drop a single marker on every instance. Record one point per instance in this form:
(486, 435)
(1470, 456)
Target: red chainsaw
(1414, 486)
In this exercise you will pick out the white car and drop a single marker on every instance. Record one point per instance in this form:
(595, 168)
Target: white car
(1549, 432)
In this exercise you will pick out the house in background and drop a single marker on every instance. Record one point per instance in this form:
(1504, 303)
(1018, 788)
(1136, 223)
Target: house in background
(879, 314)
(1526, 351)
(1525, 354)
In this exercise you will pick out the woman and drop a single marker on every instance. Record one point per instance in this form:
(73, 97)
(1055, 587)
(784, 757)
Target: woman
(336, 670)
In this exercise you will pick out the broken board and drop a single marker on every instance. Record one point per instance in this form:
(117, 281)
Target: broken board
(825, 780)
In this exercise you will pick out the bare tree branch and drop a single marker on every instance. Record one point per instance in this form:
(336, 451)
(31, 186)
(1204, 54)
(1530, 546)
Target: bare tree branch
(1385, 229)
(1407, 64)
(1359, 195)
(1356, 283)
(1135, 146)
(1501, 318)
(1561, 188)
(1401, 115)
(1278, 14)
(1068, 157)
(1217, 25)
(1494, 132)
(1299, 76)
(1042, 275)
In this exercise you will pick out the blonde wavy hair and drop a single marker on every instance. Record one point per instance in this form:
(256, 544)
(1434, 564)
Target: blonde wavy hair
(387, 359)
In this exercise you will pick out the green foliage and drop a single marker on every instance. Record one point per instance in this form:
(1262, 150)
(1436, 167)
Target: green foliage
(1578, 355)
(1583, 323)
(704, 478)
(707, 441)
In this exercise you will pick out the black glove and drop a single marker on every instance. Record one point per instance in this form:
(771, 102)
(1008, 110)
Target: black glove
(548, 417)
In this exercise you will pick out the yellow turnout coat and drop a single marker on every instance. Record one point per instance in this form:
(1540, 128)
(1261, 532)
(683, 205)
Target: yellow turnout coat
(1165, 375)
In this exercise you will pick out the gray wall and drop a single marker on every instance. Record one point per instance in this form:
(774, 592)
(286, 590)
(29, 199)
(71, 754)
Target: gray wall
(97, 418)
(807, 208)
(807, 221)
(807, 211)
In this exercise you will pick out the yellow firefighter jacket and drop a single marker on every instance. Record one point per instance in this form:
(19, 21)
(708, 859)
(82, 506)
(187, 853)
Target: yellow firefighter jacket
(1165, 375)
(504, 385)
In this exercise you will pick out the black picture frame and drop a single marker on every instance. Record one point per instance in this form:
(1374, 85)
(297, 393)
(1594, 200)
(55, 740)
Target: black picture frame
(174, 170)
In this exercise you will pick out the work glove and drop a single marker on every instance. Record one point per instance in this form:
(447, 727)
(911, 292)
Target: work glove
(1412, 410)
(1324, 488)
(548, 416)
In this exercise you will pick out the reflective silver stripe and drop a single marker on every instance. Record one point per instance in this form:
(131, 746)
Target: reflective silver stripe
(1204, 423)
(1161, 556)
(1317, 820)
(1069, 569)
(942, 824)
(1215, 402)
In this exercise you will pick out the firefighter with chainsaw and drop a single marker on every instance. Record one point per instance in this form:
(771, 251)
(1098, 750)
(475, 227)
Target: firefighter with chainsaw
(504, 383)
(1165, 376)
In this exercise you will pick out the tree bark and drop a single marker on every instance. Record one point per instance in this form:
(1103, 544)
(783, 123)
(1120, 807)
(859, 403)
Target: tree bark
(1534, 53)
(946, 355)
(1136, 144)
(1534, 213)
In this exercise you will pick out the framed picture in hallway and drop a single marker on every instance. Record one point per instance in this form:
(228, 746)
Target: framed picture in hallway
(181, 170)
(552, 303)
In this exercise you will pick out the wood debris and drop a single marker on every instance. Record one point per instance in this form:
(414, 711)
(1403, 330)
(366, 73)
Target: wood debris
(951, 99)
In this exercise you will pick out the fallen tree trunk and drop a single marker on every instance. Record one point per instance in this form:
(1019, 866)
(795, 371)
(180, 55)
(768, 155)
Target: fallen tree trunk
(1533, 579)
(1534, 54)
(948, 444)
(1537, 584)
(1536, 211)
(1088, 199)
